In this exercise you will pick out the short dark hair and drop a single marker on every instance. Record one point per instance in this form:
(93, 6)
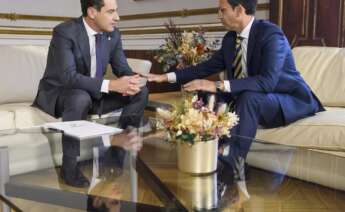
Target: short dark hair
(248, 5)
(85, 4)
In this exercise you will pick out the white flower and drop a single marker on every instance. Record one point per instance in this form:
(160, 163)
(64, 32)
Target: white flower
(208, 124)
(187, 36)
(195, 98)
(179, 133)
(221, 109)
(211, 102)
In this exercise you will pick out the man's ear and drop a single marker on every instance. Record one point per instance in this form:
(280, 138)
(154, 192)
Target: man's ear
(91, 12)
(239, 10)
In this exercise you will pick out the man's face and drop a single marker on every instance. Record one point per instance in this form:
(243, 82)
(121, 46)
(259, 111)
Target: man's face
(107, 18)
(229, 16)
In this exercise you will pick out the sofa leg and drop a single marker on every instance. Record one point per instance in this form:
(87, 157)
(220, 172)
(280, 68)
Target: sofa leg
(4, 176)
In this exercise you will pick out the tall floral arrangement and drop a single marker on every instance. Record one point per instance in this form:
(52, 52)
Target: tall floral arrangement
(184, 48)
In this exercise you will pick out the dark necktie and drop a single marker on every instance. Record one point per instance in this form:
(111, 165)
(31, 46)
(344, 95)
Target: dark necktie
(99, 56)
(237, 63)
(237, 67)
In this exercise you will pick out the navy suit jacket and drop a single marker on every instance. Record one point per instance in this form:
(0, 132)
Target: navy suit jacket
(68, 63)
(271, 69)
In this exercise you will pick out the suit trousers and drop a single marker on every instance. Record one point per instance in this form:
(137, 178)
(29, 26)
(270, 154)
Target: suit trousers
(253, 109)
(76, 104)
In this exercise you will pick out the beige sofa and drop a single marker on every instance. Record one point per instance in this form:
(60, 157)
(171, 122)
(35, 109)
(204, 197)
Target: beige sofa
(321, 138)
(317, 152)
(22, 67)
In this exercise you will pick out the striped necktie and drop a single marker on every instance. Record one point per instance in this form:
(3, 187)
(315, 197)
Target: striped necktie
(237, 68)
(237, 63)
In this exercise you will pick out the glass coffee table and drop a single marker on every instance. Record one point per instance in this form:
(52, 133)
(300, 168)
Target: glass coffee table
(149, 180)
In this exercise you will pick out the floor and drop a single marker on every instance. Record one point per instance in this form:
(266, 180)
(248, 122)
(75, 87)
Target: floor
(268, 193)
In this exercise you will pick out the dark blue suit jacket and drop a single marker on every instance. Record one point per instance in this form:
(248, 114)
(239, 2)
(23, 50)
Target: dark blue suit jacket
(68, 63)
(271, 69)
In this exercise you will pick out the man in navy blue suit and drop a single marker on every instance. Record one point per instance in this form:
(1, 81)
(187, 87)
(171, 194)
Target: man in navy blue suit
(262, 81)
(73, 84)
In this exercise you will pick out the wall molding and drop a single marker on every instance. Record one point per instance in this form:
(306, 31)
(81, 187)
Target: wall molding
(183, 13)
(167, 14)
(124, 31)
(16, 17)
(25, 32)
(208, 27)
(162, 30)
(129, 42)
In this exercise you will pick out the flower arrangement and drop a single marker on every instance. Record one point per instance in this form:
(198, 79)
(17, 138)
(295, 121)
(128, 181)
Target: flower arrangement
(184, 48)
(193, 121)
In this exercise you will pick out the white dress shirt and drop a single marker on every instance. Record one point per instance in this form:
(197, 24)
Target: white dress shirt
(105, 84)
(244, 46)
(92, 42)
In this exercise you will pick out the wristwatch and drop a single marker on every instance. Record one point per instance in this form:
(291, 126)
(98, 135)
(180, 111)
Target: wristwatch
(219, 86)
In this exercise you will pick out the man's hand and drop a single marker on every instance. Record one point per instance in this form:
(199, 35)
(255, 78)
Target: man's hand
(201, 85)
(128, 140)
(157, 78)
(126, 85)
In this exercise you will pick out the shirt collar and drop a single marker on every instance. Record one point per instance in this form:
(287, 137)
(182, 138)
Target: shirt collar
(245, 32)
(90, 32)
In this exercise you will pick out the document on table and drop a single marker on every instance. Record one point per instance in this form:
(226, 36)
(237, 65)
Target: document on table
(82, 129)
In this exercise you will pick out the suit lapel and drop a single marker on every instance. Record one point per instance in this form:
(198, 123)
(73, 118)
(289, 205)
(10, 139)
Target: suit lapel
(251, 43)
(230, 54)
(83, 42)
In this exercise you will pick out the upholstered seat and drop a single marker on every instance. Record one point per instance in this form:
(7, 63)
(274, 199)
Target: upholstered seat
(24, 66)
(321, 137)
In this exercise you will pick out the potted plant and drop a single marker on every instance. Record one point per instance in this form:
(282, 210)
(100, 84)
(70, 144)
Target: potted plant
(184, 48)
(196, 128)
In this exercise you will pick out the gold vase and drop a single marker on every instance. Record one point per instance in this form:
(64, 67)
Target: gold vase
(199, 158)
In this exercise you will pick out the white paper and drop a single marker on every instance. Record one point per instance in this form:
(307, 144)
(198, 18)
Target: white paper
(83, 129)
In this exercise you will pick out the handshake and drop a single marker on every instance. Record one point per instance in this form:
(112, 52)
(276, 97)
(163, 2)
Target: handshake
(194, 85)
(130, 85)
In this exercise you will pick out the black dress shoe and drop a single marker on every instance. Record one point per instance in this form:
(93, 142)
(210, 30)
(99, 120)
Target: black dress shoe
(81, 177)
(74, 178)
(225, 177)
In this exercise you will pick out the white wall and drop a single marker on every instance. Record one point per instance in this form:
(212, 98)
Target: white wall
(71, 8)
(38, 7)
(127, 7)
(130, 7)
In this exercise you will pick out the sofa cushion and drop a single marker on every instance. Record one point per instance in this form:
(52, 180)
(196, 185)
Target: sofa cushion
(7, 120)
(22, 67)
(323, 68)
(25, 116)
(325, 131)
(29, 149)
(139, 66)
(34, 151)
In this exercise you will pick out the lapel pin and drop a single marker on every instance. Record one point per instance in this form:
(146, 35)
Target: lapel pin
(109, 38)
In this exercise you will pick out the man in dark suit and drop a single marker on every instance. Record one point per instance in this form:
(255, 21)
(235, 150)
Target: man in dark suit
(262, 82)
(73, 85)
